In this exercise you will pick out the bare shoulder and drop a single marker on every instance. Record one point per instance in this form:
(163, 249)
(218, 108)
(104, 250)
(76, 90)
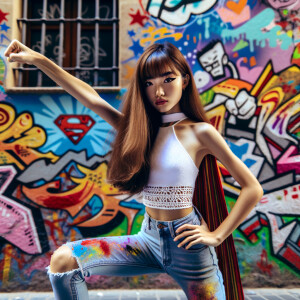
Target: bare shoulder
(199, 128)
(209, 136)
(211, 141)
(192, 131)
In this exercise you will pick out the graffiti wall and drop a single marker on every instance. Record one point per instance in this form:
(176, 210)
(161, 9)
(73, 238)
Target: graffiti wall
(245, 57)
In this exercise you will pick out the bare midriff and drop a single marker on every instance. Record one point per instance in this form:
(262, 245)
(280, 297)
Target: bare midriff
(168, 214)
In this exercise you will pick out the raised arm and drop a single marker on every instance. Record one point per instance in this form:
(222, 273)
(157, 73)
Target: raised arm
(18, 52)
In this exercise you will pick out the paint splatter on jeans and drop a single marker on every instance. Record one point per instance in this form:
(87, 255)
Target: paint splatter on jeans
(152, 250)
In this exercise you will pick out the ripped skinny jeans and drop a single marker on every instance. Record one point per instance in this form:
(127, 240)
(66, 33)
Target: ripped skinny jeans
(151, 250)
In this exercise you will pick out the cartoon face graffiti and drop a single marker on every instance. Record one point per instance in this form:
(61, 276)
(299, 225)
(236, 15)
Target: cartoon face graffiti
(213, 60)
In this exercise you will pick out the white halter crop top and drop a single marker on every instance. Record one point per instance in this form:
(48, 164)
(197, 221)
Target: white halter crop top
(172, 170)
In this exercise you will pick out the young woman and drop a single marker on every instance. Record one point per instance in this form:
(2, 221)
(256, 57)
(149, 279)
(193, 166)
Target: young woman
(162, 137)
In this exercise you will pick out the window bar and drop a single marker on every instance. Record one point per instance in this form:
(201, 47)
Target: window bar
(114, 42)
(43, 35)
(78, 37)
(24, 26)
(61, 33)
(96, 43)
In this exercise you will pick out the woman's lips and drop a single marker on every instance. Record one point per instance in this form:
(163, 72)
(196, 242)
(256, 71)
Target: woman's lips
(160, 102)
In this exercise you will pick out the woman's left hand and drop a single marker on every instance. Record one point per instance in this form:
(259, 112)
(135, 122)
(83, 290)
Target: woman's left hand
(196, 234)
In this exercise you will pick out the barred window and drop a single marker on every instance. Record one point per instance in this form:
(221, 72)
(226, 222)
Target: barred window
(81, 36)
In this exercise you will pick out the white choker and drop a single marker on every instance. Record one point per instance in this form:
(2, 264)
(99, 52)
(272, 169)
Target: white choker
(173, 117)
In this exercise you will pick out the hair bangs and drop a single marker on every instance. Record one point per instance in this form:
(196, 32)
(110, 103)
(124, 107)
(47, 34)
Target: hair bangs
(157, 64)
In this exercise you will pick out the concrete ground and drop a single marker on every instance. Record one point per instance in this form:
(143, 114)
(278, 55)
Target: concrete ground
(250, 294)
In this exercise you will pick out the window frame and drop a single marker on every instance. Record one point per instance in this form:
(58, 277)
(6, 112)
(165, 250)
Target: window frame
(12, 81)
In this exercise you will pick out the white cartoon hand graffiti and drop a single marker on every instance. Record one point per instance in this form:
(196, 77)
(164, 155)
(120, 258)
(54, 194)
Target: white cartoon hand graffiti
(243, 106)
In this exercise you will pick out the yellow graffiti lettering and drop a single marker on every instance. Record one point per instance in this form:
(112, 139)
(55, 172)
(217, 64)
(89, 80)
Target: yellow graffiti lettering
(20, 125)
(158, 34)
(7, 116)
(19, 136)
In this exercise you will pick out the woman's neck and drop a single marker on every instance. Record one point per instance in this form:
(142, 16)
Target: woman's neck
(173, 117)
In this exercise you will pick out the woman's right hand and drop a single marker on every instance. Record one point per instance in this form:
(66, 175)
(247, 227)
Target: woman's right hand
(18, 52)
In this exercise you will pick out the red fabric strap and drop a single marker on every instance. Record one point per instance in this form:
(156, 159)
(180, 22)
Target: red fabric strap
(210, 200)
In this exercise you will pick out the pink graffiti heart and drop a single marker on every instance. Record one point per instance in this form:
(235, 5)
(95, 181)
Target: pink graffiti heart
(231, 17)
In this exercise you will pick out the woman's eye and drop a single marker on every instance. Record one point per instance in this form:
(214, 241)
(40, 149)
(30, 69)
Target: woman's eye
(169, 79)
(147, 83)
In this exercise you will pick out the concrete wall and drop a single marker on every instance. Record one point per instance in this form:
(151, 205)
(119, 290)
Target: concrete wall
(245, 56)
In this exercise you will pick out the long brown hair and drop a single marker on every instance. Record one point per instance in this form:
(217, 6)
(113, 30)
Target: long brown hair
(129, 165)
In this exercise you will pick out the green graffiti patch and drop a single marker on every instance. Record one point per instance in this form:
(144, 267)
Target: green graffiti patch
(296, 53)
(207, 97)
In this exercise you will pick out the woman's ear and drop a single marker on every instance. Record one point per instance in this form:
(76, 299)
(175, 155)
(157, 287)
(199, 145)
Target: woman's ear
(186, 79)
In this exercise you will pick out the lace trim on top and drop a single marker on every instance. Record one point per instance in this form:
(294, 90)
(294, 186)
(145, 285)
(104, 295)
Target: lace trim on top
(168, 197)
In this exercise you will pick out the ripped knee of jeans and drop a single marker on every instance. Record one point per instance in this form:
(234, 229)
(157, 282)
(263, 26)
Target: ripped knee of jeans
(60, 274)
